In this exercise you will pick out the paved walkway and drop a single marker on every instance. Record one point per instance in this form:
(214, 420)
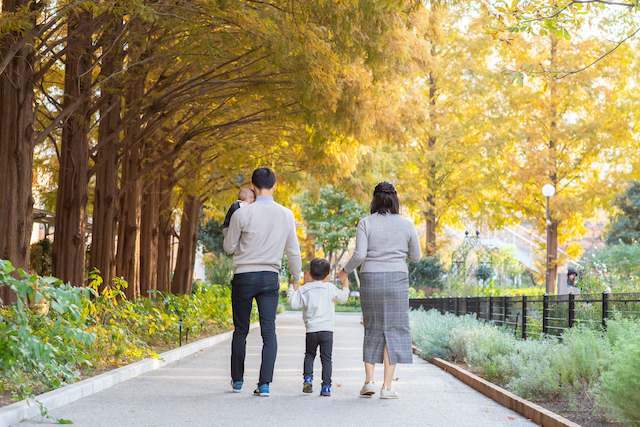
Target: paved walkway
(195, 391)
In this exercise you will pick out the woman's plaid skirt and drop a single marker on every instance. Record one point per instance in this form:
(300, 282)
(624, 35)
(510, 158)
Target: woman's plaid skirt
(384, 298)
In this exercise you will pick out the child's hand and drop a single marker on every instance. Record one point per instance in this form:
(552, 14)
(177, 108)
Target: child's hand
(344, 278)
(295, 285)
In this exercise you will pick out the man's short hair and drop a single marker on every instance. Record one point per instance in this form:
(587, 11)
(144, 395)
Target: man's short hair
(263, 178)
(246, 193)
(319, 268)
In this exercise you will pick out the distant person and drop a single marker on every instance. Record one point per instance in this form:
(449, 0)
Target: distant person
(384, 241)
(246, 196)
(258, 235)
(317, 301)
(572, 281)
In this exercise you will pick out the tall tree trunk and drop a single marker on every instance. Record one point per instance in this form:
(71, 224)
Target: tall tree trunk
(165, 231)
(16, 151)
(105, 209)
(149, 239)
(130, 203)
(128, 256)
(71, 204)
(183, 276)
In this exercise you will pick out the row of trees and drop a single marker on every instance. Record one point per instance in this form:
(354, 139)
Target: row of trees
(128, 112)
(469, 146)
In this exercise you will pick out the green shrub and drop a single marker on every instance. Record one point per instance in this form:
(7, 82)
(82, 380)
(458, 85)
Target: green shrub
(619, 391)
(532, 369)
(218, 268)
(575, 364)
(54, 328)
(582, 358)
(41, 346)
(429, 272)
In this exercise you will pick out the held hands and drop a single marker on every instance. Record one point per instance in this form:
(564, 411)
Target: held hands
(344, 278)
(295, 285)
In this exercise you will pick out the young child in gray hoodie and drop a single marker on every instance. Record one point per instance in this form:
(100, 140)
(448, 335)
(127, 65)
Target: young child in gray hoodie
(316, 299)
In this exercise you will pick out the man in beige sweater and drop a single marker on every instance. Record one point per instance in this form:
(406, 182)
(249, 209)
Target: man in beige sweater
(258, 235)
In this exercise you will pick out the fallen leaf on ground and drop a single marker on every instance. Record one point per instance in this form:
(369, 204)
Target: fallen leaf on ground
(396, 379)
(512, 418)
(488, 410)
(338, 385)
(195, 355)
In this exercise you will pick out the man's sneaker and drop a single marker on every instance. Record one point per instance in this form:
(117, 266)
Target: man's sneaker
(326, 390)
(262, 390)
(308, 385)
(368, 389)
(236, 385)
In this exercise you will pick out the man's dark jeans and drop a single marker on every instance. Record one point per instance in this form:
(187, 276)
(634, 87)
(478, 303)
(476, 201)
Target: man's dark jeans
(324, 339)
(264, 287)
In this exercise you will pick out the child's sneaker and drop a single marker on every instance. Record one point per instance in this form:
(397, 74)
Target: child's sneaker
(326, 390)
(308, 385)
(236, 385)
(262, 390)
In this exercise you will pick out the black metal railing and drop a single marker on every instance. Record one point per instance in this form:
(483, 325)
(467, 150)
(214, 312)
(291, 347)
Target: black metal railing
(540, 314)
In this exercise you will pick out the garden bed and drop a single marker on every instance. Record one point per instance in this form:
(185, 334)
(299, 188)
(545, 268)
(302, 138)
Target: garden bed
(587, 376)
(73, 333)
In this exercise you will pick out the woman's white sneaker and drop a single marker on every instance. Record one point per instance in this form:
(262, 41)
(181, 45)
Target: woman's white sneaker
(368, 389)
(387, 393)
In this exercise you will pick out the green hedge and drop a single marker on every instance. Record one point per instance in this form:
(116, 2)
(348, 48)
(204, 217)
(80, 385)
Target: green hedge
(603, 365)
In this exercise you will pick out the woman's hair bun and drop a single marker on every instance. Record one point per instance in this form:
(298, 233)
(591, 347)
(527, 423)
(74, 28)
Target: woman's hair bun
(385, 187)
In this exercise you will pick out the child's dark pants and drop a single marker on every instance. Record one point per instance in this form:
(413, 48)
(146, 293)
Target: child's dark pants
(324, 339)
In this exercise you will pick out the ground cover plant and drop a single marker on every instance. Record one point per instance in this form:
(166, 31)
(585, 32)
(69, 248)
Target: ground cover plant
(595, 372)
(55, 333)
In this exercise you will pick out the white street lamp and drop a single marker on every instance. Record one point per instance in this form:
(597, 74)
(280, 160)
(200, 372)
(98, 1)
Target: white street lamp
(548, 191)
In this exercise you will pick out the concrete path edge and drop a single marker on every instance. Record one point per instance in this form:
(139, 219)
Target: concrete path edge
(16, 412)
(530, 410)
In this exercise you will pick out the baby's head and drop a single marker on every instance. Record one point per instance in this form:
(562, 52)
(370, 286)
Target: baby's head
(246, 195)
(320, 269)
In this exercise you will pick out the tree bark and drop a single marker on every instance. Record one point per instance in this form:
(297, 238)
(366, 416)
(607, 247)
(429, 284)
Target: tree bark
(149, 239)
(128, 256)
(71, 204)
(105, 209)
(165, 231)
(183, 276)
(16, 151)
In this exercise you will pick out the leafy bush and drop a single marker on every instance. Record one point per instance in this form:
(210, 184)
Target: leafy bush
(55, 329)
(40, 261)
(623, 258)
(619, 391)
(429, 272)
(581, 362)
(624, 226)
(218, 268)
(42, 346)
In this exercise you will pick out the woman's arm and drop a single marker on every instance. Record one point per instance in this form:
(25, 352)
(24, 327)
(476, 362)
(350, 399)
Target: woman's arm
(415, 252)
(360, 253)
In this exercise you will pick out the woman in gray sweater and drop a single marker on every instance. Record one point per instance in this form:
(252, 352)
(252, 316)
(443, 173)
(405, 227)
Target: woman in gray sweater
(384, 241)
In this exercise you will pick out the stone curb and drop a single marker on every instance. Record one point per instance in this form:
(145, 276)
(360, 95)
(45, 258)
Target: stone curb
(530, 410)
(16, 412)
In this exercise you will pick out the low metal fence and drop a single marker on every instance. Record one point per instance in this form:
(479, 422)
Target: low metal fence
(540, 314)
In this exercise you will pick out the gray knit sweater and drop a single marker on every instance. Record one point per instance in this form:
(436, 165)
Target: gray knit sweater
(383, 243)
(258, 235)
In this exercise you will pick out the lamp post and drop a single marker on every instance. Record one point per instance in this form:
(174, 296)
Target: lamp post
(548, 190)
